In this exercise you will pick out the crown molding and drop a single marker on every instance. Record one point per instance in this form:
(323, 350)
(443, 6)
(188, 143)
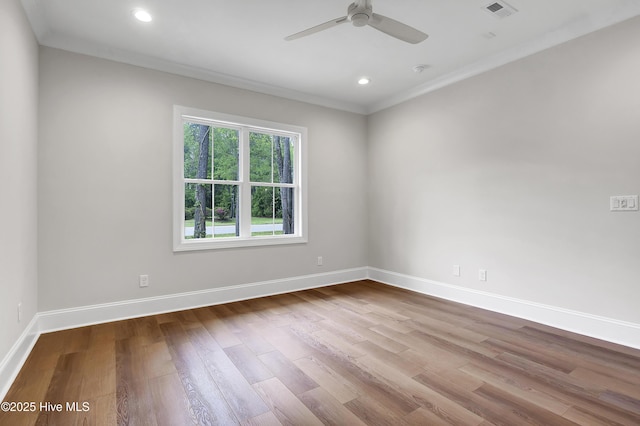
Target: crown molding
(572, 31)
(123, 56)
(578, 28)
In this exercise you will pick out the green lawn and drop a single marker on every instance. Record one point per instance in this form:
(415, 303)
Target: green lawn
(253, 234)
(254, 221)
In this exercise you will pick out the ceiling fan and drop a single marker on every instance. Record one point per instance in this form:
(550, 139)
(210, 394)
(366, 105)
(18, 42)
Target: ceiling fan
(360, 13)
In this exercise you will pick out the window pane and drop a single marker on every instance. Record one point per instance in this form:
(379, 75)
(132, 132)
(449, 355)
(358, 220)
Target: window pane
(226, 213)
(197, 210)
(260, 155)
(262, 218)
(283, 154)
(272, 211)
(197, 151)
(225, 153)
(285, 206)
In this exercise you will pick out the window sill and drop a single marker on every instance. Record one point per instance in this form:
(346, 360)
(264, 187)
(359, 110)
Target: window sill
(226, 243)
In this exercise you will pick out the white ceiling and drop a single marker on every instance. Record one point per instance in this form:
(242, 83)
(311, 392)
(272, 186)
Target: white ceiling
(241, 42)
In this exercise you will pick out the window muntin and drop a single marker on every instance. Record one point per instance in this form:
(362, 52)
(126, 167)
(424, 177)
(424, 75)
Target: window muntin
(238, 181)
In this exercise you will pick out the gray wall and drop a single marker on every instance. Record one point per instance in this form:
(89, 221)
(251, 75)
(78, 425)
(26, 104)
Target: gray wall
(105, 199)
(511, 171)
(18, 172)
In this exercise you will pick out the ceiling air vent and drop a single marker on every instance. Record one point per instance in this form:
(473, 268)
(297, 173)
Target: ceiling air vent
(500, 9)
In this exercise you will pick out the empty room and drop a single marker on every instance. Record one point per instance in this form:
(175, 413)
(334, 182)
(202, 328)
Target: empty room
(412, 212)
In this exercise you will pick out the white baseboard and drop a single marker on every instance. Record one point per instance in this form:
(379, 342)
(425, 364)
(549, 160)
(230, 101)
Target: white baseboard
(44, 322)
(13, 361)
(609, 329)
(95, 314)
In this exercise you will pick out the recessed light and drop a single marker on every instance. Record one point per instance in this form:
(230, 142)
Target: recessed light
(142, 15)
(364, 81)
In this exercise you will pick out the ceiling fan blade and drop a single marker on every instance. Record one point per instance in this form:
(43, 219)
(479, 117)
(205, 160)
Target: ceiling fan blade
(396, 29)
(317, 28)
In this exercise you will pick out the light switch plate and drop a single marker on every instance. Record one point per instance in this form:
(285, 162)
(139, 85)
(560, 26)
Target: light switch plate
(623, 203)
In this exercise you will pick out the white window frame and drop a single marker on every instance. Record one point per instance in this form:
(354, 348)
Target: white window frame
(245, 125)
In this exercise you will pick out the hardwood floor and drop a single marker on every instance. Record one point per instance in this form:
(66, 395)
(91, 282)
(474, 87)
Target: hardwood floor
(352, 354)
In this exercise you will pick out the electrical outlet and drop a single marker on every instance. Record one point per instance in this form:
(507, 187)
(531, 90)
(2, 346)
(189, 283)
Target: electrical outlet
(319, 261)
(622, 203)
(144, 280)
(19, 311)
(482, 274)
(456, 270)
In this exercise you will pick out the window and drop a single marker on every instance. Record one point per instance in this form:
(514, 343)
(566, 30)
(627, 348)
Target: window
(237, 181)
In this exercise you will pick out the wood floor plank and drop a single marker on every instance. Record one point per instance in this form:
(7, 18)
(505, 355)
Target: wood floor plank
(403, 365)
(248, 363)
(205, 399)
(169, 398)
(355, 353)
(622, 401)
(299, 310)
(288, 373)
(65, 386)
(450, 340)
(523, 391)
(103, 334)
(315, 300)
(485, 408)
(102, 378)
(620, 385)
(398, 326)
(237, 391)
(370, 412)
(254, 341)
(327, 409)
(422, 416)
(102, 411)
(158, 361)
(147, 330)
(284, 340)
(526, 410)
(582, 416)
(431, 357)
(424, 396)
(347, 333)
(266, 419)
(338, 344)
(217, 328)
(133, 395)
(583, 350)
(363, 380)
(540, 357)
(565, 392)
(76, 339)
(336, 384)
(377, 335)
(284, 404)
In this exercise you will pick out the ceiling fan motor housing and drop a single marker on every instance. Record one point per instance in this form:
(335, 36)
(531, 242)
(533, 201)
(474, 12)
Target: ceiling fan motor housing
(359, 15)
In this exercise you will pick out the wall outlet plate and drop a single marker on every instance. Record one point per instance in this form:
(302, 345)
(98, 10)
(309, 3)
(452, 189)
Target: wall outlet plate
(144, 280)
(623, 203)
